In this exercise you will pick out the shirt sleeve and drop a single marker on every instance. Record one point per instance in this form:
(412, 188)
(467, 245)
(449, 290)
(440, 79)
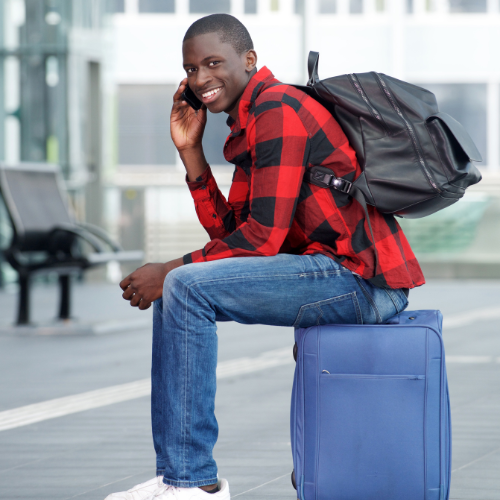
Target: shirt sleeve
(278, 143)
(214, 213)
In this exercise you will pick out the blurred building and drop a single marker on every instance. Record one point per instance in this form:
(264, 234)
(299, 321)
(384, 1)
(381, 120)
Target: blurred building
(54, 88)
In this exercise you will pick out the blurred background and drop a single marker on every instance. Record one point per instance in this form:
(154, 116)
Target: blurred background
(88, 85)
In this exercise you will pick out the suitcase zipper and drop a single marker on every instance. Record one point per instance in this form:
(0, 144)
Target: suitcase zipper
(369, 376)
(411, 132)
(361, 92)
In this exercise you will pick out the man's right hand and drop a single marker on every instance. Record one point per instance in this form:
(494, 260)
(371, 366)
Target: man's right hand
(186, 124)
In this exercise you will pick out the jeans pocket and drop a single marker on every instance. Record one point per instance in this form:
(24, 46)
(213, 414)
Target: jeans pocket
(343, 309)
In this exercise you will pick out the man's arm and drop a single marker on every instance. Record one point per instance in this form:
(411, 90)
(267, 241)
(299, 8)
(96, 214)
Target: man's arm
(145, 284)
(217, 215)
(278, 142)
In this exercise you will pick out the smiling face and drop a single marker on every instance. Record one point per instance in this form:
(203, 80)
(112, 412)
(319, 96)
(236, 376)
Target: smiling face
(216, 73)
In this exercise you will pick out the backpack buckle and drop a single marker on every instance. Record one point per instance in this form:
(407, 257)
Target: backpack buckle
(341, 185)
(325, 178)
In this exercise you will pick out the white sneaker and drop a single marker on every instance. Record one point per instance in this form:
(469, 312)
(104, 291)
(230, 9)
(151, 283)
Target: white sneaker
(142, 491)
(176, 493)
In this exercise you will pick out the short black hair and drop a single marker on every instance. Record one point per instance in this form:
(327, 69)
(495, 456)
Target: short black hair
(229, 29)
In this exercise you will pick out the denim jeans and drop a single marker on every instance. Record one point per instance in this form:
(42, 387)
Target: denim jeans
(284, 290)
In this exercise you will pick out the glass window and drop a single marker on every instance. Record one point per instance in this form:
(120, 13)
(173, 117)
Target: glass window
(299, 7)
(409, 6)
(209, 7)
(466, 102)
(356, 6)
(216, 132)
(115, 6)
(144, 125)
(250, 6)
(380, 5)
(328, 6)
(275, 5)
(458, 6)
(157, 6)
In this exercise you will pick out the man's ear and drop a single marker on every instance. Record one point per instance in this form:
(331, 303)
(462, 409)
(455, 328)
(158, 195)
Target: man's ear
(250, 60)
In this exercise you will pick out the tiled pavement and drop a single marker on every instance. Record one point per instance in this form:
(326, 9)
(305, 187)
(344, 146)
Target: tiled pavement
(90, 454)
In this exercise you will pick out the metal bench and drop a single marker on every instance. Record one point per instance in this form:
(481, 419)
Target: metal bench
(46, 236)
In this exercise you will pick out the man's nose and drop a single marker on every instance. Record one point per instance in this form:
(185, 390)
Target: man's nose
(203, 77)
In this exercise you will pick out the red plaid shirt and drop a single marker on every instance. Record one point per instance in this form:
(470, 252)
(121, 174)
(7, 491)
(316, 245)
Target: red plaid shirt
(280, 131)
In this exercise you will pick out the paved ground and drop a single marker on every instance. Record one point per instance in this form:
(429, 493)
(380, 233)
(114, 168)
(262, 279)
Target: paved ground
(92, 453)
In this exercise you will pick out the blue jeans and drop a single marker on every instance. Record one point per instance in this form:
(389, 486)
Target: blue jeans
(285, 290)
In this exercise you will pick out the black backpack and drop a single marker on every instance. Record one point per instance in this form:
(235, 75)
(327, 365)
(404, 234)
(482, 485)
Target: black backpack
(415, 159)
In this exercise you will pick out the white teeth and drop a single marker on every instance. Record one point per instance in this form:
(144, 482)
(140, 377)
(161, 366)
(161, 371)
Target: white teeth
(212, 92)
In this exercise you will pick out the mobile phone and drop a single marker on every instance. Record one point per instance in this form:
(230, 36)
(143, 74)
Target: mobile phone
(189, 96)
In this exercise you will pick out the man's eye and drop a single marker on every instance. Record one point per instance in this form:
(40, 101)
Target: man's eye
(213, 63)
(190, 70)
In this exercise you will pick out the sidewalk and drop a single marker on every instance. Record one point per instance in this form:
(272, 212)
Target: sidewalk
(88, 454)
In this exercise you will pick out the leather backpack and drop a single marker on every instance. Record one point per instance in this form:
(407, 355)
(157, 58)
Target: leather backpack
(415, 159)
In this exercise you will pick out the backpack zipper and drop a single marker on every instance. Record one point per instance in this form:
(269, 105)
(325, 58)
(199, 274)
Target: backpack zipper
(361, 92)
(411, 132)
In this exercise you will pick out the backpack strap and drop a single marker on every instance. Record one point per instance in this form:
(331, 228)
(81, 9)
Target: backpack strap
(325, 178)
(312, 68)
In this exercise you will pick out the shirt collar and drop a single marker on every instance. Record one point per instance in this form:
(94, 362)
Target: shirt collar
(255, 86)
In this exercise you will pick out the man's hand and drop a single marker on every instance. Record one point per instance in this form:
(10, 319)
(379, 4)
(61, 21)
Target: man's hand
(186, 124)
(186, 128)
(145, 284)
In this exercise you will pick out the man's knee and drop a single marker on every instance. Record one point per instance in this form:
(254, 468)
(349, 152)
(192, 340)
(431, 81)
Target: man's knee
(180, 276)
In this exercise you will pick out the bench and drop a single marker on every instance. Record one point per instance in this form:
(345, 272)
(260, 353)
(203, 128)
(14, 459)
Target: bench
(46, 236)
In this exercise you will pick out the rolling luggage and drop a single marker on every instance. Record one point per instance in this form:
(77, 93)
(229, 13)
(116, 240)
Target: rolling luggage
(370, 417)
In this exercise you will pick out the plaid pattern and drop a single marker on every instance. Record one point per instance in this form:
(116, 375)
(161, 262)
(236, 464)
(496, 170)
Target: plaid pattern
(281, 131)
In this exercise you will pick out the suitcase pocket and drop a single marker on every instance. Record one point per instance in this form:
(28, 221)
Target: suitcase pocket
(371, 437)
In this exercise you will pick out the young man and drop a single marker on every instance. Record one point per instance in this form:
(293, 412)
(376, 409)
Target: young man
(282, 251)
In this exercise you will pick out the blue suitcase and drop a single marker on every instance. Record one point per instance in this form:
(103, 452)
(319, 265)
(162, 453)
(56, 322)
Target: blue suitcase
(370, 413)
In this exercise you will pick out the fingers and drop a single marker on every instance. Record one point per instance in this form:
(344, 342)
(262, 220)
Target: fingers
(128, 293)
(135, 300)
(180, 90)
(143, 305)
(125, 282)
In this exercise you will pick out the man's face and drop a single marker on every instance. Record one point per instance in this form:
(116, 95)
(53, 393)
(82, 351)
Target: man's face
(216, 73)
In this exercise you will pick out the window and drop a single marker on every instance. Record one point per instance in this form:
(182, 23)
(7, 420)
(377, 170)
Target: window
(467, 104)
(157, 6)
(250, 6)
(209, 7)
(144, 125)
(409, 6)
(275, 5)
(328, 6)
(356, 6)
(115, 6)
(380, 5)
(299, 7)
(472, 6)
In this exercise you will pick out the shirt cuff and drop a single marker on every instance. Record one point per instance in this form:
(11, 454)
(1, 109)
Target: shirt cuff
(201, 182)
(196, 256)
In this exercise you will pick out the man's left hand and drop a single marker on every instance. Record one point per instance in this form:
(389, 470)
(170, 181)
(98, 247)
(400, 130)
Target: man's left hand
(145, 284)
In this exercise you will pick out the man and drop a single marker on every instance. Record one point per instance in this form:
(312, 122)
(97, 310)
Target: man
(282, 251)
